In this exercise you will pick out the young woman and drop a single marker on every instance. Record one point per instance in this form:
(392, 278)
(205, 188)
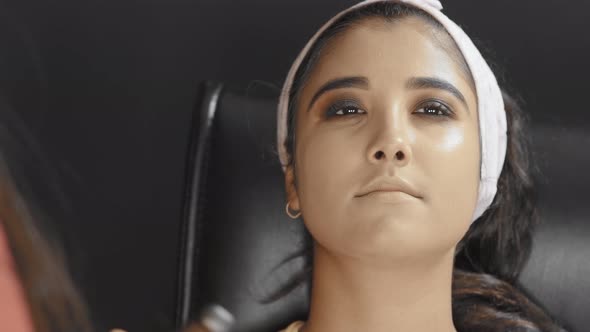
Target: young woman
(409, 168)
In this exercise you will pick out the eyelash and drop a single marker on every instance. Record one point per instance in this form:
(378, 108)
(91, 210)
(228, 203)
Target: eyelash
(345, 107)
(438, 106)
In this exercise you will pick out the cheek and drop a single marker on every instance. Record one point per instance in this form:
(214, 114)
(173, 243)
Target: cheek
(453, 140)
(327, 169)
(326, 162)
(453, 171)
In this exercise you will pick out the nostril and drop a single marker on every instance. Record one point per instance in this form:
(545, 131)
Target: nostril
(379, 154)
(399, 155)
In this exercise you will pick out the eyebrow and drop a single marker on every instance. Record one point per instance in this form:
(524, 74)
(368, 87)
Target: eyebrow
(340, 83)
(412, 83)
(436, 83)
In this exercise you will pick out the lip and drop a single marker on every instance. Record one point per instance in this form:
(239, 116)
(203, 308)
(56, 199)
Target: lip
(388, 197)
(389, 185)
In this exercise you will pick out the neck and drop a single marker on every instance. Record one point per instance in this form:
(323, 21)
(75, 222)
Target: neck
(349, 294)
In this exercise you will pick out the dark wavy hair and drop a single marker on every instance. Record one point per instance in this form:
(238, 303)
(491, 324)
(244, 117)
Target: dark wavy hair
(489, 258)
(54, 303)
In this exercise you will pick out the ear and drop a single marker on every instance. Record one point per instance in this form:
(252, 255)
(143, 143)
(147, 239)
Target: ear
(291, 189)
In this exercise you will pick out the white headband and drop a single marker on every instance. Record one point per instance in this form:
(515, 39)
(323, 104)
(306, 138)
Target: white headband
(492, 117)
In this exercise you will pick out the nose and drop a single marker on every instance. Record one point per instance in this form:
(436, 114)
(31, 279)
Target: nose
(395, 151)
(391, 143)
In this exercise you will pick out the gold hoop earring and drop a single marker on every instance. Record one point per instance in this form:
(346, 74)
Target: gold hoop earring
(289, 212)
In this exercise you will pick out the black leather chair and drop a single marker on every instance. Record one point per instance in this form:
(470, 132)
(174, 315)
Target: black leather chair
(236, 229)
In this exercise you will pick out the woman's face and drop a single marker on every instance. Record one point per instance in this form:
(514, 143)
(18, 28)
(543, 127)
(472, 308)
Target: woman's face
(386, 105)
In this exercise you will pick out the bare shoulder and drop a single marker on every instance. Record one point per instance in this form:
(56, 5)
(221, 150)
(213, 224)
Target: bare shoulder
(293, 327)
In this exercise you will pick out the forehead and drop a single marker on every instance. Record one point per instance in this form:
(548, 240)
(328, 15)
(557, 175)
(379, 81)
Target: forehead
(389, 53)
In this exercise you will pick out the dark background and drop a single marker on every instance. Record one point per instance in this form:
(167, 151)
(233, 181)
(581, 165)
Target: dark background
(107, 89)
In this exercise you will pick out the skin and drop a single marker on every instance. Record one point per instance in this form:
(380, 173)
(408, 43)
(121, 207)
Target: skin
(384, 262)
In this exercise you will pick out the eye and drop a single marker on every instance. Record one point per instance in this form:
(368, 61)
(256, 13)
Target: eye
(435, 109)
(344, 107)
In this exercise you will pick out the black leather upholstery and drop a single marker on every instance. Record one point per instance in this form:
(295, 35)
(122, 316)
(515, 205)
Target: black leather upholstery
(240, 227)
(558, 272)
(237, 230)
